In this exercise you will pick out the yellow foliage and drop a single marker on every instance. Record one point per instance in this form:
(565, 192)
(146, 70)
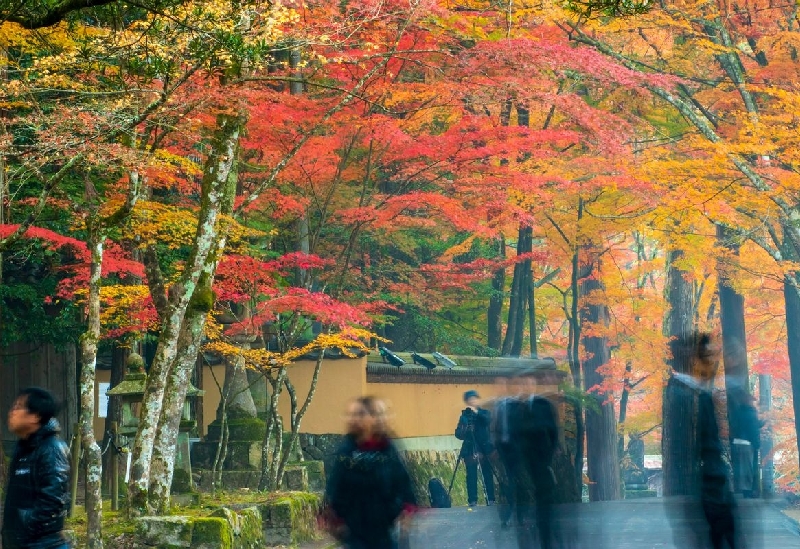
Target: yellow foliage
(156, 223)
(348, 341)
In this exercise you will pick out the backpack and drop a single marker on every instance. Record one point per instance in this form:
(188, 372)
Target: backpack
(440, 499)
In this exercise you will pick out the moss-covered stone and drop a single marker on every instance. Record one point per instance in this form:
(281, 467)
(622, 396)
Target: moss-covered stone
(164, 532)
(241, 455)
(240, 429)
(315, 471)
(212, 533)
(251, 531)
(295, 478)
(291, 518)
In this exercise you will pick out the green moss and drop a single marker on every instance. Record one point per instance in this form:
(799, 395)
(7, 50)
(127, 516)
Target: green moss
(212, 533)
(251, 531)
(315, 471)
(240, 429)
(303, 508)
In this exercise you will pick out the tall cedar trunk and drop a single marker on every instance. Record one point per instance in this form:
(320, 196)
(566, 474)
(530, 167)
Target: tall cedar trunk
(792, 302)
(215, 198)
(574, 353)
(623, 407)
(89, 340)
(532, 317)
(601, 424)
(513, 305)
(525, 247)
(495, 312)
(734, 335)
(520, 292)
(678, 441)
(494, 327)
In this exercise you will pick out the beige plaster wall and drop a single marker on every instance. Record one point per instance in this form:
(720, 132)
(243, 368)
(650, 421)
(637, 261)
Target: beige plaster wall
(426, 410)
(339, 381)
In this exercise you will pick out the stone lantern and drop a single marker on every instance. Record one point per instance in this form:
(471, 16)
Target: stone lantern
(131, 392)
(182, 477)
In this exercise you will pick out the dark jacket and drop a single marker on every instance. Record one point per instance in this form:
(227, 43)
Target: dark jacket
(368, 489)
(37, 494)
(474, 429)
(744, 421)
(538, 432)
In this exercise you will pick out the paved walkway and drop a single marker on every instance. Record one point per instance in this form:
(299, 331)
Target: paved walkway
(629, 524)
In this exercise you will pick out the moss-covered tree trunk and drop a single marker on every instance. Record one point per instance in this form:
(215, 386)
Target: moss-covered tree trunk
(165, 444)
(93, 457)
(214, 194)
(189, 341)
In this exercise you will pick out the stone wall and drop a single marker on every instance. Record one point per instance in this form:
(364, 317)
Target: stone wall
(285, 519)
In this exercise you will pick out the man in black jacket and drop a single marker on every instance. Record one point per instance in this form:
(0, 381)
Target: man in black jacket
(37, 495)
(473, 429)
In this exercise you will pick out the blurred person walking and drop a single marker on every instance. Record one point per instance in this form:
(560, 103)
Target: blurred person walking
(474, 430)
(716, 499)
(369, 489)
(37, 493)
(507, 409)
(539, 437)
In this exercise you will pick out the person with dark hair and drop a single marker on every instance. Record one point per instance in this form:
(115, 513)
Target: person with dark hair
(716, 496)
(474, 430)
(37, 494)
(369, 489)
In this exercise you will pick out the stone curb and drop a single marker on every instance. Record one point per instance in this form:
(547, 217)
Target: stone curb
(792, 523)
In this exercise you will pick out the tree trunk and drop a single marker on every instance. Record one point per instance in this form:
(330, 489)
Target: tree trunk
(494, 327)
(525, 246)
(601, 424)
(513, 305)
(89, 341)
(792, 301)
(520, 294)
(532, 318)
(216, 200)
(678, 441)
(734, 334)
(297, 415)
(574, 354)
(164, 448)
(623, 408)
(276, 384)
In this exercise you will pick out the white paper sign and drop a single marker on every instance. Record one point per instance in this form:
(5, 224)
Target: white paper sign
(102, 399)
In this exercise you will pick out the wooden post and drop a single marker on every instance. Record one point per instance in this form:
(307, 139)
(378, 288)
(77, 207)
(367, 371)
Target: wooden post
(114, 468)
(74, 466)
